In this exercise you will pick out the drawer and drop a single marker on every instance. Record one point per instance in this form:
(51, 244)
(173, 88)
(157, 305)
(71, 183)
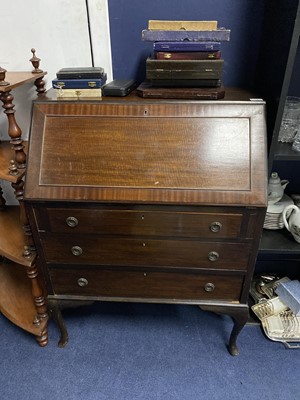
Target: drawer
(132, 222)
(91, 250)
(145, 284)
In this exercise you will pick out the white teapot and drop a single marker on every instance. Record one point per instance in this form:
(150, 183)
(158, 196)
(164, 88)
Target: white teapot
(276, 188)
(292, 223)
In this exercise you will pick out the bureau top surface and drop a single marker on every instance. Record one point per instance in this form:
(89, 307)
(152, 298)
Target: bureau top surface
(155, 151)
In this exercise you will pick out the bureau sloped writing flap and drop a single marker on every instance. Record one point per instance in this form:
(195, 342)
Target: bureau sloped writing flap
(131, 152)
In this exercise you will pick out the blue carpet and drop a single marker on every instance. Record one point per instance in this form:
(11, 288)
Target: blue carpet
(128, 351)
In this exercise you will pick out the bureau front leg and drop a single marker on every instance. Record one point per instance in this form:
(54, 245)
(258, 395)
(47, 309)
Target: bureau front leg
(55, 310)
(239, 314)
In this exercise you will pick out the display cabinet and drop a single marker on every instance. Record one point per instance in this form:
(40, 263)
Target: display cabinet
(279, 252)
(21, 297)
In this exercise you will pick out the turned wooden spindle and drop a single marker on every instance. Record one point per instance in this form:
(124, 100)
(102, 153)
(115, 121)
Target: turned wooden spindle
(3, 82)
(37, 292)
(35, 61)
(2, 200)
(40, 85)
(14, 130)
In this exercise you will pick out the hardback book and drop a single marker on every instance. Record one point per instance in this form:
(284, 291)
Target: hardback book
(184, 69)
(146, 90)
(183, 25)
(218, 35)
(80, 73)
(186, 46)
(79, 83)
(187, 55)
(79, 93)
(186, 83)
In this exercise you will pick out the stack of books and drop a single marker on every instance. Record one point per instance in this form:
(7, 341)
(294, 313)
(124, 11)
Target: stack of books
(186, 61)
(79, 83)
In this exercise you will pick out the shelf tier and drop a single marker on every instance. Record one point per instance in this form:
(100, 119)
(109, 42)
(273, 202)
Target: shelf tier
(277, 243)
(12, 237)
(16, 301)
(19, 78)
(285, 152)
(7, 154)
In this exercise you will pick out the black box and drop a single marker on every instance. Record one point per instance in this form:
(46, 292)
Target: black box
(119, 87)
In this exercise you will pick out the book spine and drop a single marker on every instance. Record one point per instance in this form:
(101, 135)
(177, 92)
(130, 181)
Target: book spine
(218, 35)
(187, 55)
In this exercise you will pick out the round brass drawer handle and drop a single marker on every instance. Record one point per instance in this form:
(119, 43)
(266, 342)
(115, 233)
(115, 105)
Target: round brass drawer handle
(82, 282)
(72, 222)
(76, 251)
(213, 256)
(215, 227)
(209, 287)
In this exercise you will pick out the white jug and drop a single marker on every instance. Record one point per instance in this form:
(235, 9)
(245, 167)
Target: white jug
(276, 188)
(292, 223)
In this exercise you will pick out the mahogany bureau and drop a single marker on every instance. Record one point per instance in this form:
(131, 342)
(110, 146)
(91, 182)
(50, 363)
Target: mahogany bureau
(148, 200)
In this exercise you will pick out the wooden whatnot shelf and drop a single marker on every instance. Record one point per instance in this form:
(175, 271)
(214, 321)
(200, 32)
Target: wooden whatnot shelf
(21, 296)
(12, 239)
(17, 303)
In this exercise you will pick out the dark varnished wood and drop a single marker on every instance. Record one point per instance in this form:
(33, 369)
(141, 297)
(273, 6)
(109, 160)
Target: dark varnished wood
(144, 251)
(148, 200)
(17, 302)
(163, 222)
(144, 284)
(21, 295)
(138, 163)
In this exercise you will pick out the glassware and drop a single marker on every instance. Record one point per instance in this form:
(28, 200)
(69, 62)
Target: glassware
(290, 120)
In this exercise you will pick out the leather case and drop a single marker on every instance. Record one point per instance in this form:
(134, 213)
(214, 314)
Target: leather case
(146, 90)
(186, 46)
(80, 73)
(184, 69)
(187, 55)
(119, 87)
(79, 83)
(186, 82)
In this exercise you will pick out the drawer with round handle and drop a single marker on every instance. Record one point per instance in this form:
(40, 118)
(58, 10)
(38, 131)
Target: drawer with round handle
(145, 252)
(144, 284)
(141, 222)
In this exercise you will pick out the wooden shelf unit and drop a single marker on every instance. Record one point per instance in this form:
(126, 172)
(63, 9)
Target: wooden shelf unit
(21, 295)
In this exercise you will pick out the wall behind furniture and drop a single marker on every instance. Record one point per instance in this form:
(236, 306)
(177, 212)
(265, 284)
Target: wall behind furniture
(59, 31)
(243, 17)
